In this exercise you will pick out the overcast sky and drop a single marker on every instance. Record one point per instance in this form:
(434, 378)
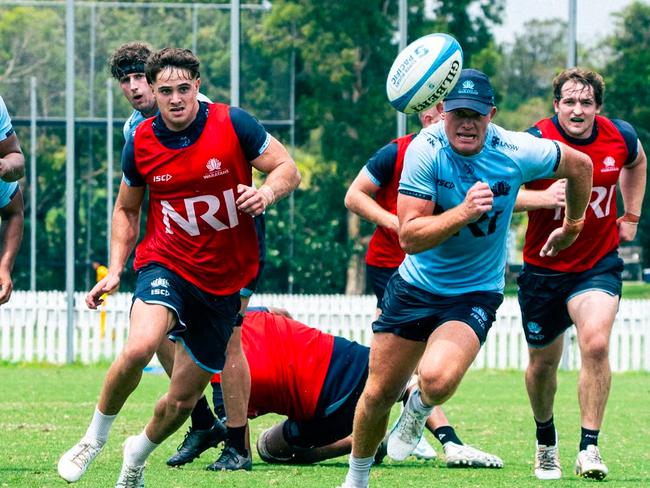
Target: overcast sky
(594, 16)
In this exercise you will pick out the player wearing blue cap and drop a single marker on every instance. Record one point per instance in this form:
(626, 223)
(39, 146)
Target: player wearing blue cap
(456, 198)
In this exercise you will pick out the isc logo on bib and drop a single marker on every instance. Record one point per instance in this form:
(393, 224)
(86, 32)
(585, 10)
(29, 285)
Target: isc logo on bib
(191, 223)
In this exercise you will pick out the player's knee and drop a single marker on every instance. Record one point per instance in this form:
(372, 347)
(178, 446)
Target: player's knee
(437, 387)
(596, 348)
(180, 406)
(137, 356)
(377, 399)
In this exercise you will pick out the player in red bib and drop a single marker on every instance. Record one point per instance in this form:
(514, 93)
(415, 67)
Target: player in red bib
(582, 284)
(379, 178)
(314, 379)
(200, 248)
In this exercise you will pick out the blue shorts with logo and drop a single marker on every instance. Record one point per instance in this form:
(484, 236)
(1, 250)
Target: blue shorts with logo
(204, 321)
(544, 294)
(413, 313)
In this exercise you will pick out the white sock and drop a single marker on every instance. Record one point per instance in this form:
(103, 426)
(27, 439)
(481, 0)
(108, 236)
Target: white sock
(137, 449)
(100, 426)
(359, 471)
(416, 403)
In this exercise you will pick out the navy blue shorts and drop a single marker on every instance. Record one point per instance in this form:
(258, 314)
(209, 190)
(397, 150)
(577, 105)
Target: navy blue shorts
(345, 380)
(544, 293)
(413, 313)
(378, 278)
(204, 321)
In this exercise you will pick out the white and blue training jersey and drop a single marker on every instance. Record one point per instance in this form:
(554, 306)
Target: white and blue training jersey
(473, 259)
(6, 129)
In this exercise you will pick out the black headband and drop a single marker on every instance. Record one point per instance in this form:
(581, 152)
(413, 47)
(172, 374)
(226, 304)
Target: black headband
(126, 69)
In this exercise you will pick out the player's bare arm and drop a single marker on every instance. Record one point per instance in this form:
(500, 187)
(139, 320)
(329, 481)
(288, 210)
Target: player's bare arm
(632, 184)
(11, 233)
(359, 199)
(552, 197)
(577, 168)
(420, 230)
(125, 229)
(282, 177)
(12, 160)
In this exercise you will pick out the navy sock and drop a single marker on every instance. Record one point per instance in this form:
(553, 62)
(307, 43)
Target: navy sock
(546, 432)
(235, 437)
(446, 434)
(588, 437)
(202, 418)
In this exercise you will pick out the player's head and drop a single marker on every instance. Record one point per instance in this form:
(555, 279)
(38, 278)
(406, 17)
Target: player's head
(127, 66)
(468, 110)
(577, 98)
(173, 74)
(429, 116)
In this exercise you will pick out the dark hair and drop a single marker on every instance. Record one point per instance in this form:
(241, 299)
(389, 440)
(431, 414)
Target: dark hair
(129, 58)
(582, 76)
(172, 57)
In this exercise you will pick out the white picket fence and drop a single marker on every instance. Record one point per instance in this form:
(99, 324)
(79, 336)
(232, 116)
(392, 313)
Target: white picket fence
(33, 327)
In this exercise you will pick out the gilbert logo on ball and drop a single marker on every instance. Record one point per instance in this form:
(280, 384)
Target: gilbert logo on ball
(424, 73)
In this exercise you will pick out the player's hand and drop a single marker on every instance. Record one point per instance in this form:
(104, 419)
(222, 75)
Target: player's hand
(106, 285)
(254, 201)
(392, 223)
(6, 287)
(561, 238)
(479, 199)
(626, 229)
(555, 195)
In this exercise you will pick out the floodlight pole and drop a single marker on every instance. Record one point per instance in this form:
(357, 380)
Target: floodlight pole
(69, 178)
(235, 10)
(403, 35)
(109, 167)
(32, 183)
(572, 54)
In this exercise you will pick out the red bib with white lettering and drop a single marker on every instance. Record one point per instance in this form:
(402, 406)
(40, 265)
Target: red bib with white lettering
(384, 250)
(193, 226)
(608, 154)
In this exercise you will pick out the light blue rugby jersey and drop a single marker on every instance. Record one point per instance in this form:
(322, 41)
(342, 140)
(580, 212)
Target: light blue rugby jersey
(475, 258)
(136, 118)
(6, 128)
(7, 190)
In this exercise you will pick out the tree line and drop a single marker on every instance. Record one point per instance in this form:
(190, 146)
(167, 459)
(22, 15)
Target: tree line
(341, 52)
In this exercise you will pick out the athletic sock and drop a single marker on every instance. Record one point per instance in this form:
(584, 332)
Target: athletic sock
(416, 403)
(202, 418)
(138, 449)
(359, 471)
(447, 434)
(100, 426)
(235, 437)
(588, 437)
(546, 432)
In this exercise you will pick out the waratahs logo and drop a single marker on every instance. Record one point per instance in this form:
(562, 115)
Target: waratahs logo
(468, 88)
(534, 327)
(500, 188)
(160, 282)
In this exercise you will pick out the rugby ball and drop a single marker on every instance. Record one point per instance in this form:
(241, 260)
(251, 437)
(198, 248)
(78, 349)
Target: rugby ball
(424, 73)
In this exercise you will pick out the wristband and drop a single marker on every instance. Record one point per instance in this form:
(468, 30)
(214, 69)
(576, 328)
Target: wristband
(631, 218)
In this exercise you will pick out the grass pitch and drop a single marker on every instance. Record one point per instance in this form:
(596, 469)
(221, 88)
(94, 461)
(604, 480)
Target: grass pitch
(45, 409)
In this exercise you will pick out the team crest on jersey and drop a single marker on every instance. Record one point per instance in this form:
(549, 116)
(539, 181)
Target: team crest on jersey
(609, 164)
(214, 169)
(500, 188)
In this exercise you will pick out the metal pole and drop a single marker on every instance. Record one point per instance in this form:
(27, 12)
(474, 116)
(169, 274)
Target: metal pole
(572, 46)
(234, 53)
(32, 183)
(403, 26)
(69, 177)
(109, 166)
(89, 168)
(292, 142)
(195, 26)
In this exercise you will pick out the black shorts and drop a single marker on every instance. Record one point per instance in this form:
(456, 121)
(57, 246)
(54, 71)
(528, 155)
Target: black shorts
(204, 321)
(378, 278)
(345, 380)
(544, 293)
(413, 313)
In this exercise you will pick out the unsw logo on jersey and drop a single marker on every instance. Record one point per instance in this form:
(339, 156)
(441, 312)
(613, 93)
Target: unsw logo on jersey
(191, 223)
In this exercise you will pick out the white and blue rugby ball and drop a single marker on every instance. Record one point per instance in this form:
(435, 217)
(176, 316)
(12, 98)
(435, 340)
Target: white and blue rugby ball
(424, 73)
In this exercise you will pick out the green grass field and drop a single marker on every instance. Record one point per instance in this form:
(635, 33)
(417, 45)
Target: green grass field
(45, 409)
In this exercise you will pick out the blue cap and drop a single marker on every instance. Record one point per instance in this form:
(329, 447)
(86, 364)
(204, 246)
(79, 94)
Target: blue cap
(473, 91)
